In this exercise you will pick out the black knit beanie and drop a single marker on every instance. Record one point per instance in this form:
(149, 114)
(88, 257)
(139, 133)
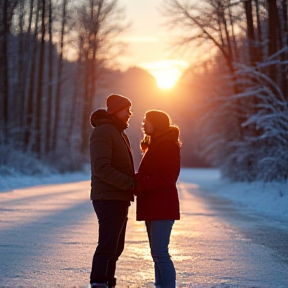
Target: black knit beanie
(116, 103)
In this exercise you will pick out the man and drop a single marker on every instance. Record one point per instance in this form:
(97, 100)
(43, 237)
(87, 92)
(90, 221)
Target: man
(111, 185)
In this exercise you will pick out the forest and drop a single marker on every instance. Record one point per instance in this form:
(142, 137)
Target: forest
(59, 62)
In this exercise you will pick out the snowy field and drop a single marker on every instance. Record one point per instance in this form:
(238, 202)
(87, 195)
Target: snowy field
(266, 198)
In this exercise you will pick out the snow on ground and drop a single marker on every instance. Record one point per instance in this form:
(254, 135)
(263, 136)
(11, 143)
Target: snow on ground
(17, 181)
(269, 198)
(266, 198)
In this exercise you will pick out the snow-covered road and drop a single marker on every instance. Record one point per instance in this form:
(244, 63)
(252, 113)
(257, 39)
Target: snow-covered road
(48, 235)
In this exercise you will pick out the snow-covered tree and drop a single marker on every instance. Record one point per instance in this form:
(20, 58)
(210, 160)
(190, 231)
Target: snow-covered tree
(243, 117)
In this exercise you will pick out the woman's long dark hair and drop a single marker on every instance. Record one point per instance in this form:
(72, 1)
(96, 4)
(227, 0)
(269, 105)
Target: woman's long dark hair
(161, 122)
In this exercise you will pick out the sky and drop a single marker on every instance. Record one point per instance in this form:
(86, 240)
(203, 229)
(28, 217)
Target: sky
(147, 38)
(148, 42)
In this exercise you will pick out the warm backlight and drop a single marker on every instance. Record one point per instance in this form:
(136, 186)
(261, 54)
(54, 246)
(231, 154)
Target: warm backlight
(166, 72)
(166, 79)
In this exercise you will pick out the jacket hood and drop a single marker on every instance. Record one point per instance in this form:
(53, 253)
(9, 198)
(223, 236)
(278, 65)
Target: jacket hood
(172, 135)
(100, 117)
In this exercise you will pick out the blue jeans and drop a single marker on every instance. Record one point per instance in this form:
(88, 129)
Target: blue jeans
(159, 235)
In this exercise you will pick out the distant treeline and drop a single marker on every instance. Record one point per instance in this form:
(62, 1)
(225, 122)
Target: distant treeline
(231, 106)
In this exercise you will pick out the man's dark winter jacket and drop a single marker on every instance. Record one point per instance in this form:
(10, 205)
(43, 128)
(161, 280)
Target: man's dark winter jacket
(111, 159)
(161, 165)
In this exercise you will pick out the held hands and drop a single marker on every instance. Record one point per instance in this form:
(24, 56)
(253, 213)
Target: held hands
(140, 184)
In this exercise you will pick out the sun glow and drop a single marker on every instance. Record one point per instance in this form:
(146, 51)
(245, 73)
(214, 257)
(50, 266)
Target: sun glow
(166, 72)
(166, 79)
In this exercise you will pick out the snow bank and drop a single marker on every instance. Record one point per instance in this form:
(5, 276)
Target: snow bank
(8, 182)
(266, 198)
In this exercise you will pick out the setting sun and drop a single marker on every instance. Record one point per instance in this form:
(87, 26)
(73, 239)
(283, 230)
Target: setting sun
(166, 79)
(166, 72)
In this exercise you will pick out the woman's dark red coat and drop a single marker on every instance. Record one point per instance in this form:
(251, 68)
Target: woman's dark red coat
(159, 169)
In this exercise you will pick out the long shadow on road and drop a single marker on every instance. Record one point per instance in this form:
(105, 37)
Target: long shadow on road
(20, 246)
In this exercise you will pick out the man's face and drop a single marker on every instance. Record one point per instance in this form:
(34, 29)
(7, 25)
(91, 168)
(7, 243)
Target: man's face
(124, 114)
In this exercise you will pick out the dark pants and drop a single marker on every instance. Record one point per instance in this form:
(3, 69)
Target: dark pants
(112, 220)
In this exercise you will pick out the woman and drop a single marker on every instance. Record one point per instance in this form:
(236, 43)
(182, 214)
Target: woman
(157, 197)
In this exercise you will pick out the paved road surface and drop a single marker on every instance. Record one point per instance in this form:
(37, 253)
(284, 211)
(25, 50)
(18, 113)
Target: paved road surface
(48, 235)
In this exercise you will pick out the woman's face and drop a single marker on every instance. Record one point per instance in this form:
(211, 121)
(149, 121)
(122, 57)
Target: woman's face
(148, 127)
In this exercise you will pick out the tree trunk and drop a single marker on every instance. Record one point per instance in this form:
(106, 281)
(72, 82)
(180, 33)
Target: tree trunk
(28, 65)
(235, 46)
(5, 70)
(285, 15)
(39, 98)
(228, 40)
(30, 113)
(273, 45)
(250, 32)
(88, 60)
(50, 85)
(91, 65)
(21, 76)
(85, 106)
(285, 55)
(220, 32)
(76, 101)
(259, 32)
(59, 80)
(74, 105)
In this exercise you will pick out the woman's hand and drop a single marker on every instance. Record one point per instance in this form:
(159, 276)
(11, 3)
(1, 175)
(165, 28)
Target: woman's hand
(140, 184)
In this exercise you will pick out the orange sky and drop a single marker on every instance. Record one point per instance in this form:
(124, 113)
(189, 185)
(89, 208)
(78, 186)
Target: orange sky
(148, 41)
(146, 38)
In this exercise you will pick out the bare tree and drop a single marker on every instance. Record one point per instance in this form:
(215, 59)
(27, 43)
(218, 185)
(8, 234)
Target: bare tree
(202, 23)
(41, 67)
(250, 31)
(100, 22)
(30, 112)
(273, 33)
(20, 94)
(57, 107)
(6, 13)
(48, 125)
(259, 31)
(284, 55)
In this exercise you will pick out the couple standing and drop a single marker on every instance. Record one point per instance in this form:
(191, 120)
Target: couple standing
(114, 184)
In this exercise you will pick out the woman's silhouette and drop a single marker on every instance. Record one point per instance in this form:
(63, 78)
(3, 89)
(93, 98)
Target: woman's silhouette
(157, 197)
